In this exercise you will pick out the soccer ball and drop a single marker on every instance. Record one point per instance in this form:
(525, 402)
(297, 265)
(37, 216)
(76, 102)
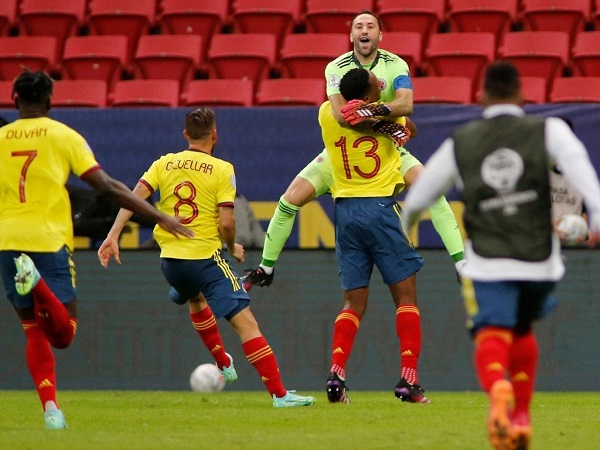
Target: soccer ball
(572, 229)
(206, 378)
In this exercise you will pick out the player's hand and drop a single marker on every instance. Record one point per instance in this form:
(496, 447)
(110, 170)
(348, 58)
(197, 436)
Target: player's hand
(397, 132)
(357, 111)
(110, 247)
(174, 226)
(238, 252)
(459, 266)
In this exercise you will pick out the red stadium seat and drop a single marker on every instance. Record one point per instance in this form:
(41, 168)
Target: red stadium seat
(168, 56)
(8, 14)
(537, 53)
(6, 100)
(291, 92)
(58, 18)
(555, 15)
(126, 17)
(442, 90)
(95, 58)
(576, 89)
(421, 16)
(460, 54)
(237, 92)
(333, 16)
(79, 93)
(194, 17)
(534, 89)
(240, 55)
(483, 16)
(266, 16)
(306, 55)
(405, 44)
(586, 54)
(146, 93)
(32, 52)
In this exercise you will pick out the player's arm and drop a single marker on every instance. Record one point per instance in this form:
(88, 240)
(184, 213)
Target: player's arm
(227, 232)
(119, 193)
(412, 127)
(110, 246)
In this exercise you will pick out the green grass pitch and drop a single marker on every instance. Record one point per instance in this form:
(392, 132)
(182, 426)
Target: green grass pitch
(246, 420)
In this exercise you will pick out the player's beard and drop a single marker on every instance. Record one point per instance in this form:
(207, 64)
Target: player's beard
(368, 51)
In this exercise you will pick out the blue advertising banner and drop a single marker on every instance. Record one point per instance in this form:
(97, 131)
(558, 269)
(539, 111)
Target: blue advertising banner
(269, 146)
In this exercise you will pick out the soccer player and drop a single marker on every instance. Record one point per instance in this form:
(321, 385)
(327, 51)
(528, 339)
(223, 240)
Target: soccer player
(368, 232)
(315, 179)
(37, 154)
(199, 189)
(500, 163)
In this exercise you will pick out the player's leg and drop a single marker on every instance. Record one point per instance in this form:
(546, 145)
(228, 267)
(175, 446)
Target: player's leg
(355, 267)
(409, 333)
(398, 262)
(261, 356)
(205, 323)
(345, 328)
(188, 279)
(52, 291)
(314, 180)
(492, 309)
(441, 214)
(38, 352)
(535, 302)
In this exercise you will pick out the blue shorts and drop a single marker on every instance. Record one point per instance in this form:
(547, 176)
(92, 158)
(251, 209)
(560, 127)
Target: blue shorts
(214, 278)
(507, 304)
(368, 232)
(57, 270)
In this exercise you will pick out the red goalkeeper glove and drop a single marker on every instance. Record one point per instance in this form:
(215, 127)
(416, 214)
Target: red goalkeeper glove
(357, 111)
(396, 131)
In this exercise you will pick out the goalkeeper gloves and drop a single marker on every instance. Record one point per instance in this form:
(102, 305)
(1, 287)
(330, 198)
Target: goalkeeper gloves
(357, 111)
(396, 131)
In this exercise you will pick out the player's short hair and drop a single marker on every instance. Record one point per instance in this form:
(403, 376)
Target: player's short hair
(199, 123)
(355, 84)
(502, 80)
(34, 88)
(366, 11)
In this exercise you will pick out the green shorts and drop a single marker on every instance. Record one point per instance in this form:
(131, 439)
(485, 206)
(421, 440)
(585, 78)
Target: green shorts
(407, 160)
(318, 171)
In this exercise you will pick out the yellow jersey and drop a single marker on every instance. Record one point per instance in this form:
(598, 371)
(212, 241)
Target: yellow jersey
(362, 164)
(193, 185)
(37, 156)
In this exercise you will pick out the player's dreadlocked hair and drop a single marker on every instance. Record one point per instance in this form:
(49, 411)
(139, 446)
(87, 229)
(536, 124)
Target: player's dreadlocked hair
(33, 87)
(354, 84)
(199, 123)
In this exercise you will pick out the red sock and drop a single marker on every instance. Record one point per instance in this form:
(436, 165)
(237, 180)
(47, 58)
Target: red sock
(523, 370)
(259, 354)
(408, 330)
(40, 361)
(344, 331)
(52, 316)
(205, 324)
(492, 349)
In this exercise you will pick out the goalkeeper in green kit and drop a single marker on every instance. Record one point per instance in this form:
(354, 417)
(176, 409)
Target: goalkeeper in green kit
(315, 179)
